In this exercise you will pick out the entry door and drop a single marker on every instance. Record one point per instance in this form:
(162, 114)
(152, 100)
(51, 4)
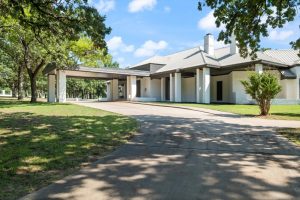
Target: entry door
(167, 89)
(138, 88)
(219, 90)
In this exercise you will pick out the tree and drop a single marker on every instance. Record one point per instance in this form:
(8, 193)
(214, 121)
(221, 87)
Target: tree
(43, 31)
(249, 20)
(64, 19)
(262, 88)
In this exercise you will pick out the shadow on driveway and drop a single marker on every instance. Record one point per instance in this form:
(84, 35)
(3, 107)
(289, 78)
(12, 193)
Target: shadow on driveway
(178, 158)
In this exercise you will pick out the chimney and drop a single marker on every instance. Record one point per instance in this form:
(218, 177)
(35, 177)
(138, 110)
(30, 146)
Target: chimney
(209, 44)
(233, 47)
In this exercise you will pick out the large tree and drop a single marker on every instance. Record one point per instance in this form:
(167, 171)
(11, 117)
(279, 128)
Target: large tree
(45, 30)
(249, 20)
(63, 18)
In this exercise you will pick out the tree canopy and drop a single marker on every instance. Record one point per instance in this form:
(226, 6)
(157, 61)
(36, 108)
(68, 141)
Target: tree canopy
(249, 20)
(64, 19)
(35, 33)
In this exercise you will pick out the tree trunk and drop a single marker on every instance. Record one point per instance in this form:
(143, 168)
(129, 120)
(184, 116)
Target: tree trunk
(14, 90)
(20, 82)
(32, 78)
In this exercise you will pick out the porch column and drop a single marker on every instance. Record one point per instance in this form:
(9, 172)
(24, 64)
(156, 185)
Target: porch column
(108, 91)
(51, 88)
(131, 87)
(206, 85)
(128, 88)
(199, 79)
(61, 86)
(171, 88)
(259, 68)
(115, 89)
(177, 87)
(163, 89)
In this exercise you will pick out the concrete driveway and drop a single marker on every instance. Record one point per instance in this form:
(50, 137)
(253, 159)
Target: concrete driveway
(189, 154)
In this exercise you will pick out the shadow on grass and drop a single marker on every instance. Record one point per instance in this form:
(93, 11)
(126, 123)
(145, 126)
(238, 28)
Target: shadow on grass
(287, 114)
(37, 149)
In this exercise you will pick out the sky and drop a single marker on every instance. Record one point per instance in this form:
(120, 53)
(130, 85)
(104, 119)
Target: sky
(145, 28)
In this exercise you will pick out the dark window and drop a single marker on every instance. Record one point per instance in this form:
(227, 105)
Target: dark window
(167, 89)
(219, 90)
(138, 88)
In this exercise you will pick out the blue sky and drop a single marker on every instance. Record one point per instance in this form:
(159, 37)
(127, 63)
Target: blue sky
(144, 28)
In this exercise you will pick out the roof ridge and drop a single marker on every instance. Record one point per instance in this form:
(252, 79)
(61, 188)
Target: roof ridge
(203, 57)
(183, 51)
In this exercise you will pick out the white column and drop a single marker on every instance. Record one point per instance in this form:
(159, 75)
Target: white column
(199, 82)
(61, 86)
(3, 92)
(51, 88)
(128, 89)
(171, 88)
(177, 87)
(115, 89)
(259, 68)
(163, 89)
(206, 86)
(133, 87)
(108, 91)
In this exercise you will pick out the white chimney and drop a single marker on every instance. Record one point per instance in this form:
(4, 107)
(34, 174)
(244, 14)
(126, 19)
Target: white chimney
(233, 47)
(209, 47)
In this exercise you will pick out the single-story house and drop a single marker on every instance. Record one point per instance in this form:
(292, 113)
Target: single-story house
(211, 75)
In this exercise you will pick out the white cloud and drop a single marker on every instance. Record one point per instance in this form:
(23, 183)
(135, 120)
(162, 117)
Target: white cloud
(167, 9)
(116, 44)
(105, 6)
(150, 48)
(209, 22)
(280, 35)
(140, 5)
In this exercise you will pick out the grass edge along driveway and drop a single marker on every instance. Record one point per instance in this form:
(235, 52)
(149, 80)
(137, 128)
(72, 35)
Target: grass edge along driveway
(277, 112)
(41, 143)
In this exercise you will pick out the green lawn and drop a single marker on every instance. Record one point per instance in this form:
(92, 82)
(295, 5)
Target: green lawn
(44, 142)
(284, 112)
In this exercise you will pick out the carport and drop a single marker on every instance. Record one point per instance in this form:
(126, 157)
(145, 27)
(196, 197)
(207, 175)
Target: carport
(121, 83)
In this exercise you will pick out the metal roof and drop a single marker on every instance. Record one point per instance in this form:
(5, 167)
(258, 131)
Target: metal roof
(114, 71)
(196, 57)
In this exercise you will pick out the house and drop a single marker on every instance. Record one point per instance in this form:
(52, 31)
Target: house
(212, 75)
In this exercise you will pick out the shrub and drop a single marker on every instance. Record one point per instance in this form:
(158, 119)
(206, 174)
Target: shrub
(262, 88)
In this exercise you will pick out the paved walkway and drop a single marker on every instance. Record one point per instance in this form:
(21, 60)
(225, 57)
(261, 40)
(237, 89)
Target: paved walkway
(189, 154)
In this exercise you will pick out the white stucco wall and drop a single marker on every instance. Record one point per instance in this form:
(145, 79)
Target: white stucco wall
(188, 86)
(226, 88)
(296, 70)
(150, 88)
(155, 89)
(237, 93)
(145, 87)
(288, 95)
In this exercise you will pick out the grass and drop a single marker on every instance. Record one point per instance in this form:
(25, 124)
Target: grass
(41, 143)
(282, 112)
(292, 134)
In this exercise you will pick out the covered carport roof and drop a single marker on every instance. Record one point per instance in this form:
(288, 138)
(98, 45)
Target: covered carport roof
(102, 73)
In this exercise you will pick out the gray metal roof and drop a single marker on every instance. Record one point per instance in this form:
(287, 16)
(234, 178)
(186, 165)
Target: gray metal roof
(115, 71)
(196, 57)
(288, 56)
